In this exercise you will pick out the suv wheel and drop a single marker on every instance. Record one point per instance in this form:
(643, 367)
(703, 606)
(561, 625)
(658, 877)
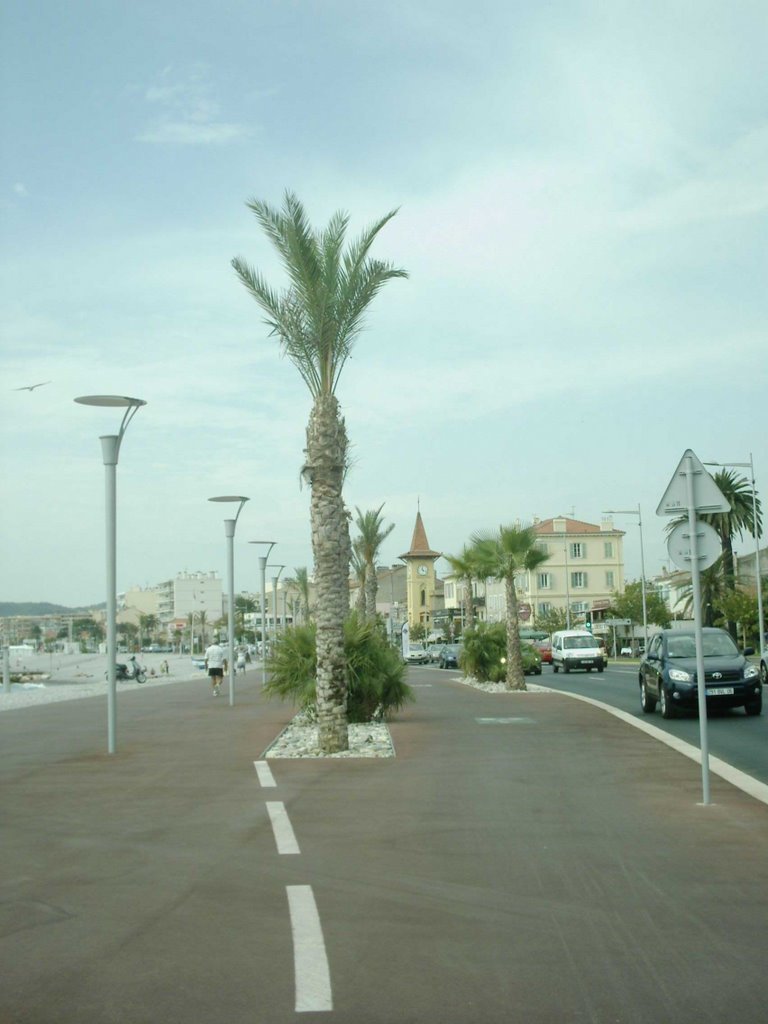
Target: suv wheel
(754, 707)
(647, 702)
(667, 709)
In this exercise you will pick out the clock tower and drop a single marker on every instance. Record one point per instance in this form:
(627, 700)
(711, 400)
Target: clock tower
(420, 579)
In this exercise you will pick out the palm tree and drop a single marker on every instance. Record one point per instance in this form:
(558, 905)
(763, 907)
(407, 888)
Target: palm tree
(737, 491)
(504, 555)
(302, 582)
(317, 320)
(712, 591)
(360, 569)
(466, 570)
(372, 536)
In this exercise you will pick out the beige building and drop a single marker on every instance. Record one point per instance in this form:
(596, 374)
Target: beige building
(584, 569)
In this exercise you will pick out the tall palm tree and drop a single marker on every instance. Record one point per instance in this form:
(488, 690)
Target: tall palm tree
(504, 555)
(360, 569)
(301, 576)
(466, 570)
(372, 536)
(737, 491)
(317, 320)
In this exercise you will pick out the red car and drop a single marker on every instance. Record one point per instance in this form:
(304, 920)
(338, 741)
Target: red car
(545, 650)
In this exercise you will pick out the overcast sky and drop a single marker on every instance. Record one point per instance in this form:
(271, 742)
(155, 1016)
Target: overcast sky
(582, 198)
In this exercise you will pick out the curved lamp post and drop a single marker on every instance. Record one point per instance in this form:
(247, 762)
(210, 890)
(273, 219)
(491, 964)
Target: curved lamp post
(633, 512)
(110, 449)
(263, 569)
(229, 533)
(758, 582)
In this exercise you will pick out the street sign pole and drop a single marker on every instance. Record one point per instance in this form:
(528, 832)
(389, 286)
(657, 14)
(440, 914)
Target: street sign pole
(700, 680)
(692, 488)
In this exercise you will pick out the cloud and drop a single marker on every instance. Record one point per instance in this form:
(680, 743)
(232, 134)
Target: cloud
(20, 189)
(189, 114)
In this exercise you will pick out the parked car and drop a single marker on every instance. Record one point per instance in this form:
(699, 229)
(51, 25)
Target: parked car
(668, 673)
(531, 658)
(764, 667)
(434, 652)
(417, 654)
(449, 656)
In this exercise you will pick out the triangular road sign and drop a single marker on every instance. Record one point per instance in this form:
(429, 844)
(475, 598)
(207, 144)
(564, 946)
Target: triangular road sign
(707, 496)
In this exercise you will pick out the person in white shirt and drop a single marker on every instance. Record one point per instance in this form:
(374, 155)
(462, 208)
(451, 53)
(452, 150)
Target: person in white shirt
(216, 663)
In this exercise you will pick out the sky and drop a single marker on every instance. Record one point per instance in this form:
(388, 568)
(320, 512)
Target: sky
(582, 194)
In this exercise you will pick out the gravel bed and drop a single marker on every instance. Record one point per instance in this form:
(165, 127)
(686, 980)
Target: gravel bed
(300, 739)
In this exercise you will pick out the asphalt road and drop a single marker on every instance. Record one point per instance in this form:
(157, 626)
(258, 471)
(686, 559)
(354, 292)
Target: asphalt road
(740, 740)
(516, 863)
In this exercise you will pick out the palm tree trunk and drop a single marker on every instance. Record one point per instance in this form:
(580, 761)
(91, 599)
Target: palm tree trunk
(468, 605)
(515, 674)
(729, 577)
(371, 589)
(326, 457)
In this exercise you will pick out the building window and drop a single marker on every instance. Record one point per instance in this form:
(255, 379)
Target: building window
(578, 580)
(609, 581)
(544, 581)
(542, 546)
(578, 550)
(545, 607)
(449, 592)
(608, 547)
(423, 598)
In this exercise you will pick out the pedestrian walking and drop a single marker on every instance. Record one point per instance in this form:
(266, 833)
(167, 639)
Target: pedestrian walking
(240, 663)
(216, 664)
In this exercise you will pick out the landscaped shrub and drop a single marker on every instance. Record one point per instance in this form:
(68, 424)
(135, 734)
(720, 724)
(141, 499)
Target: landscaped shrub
(484, 652)
(375, 672)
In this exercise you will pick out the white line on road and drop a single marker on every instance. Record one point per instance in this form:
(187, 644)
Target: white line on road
(265, 774)
(313, 978)
(282, 828)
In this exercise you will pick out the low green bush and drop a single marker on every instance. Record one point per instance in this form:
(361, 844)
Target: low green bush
(484, 651)
(375, 672)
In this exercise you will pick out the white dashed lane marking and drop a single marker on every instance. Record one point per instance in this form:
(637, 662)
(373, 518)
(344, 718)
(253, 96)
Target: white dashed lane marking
(282, 828)
(265, 774)
(313, 978)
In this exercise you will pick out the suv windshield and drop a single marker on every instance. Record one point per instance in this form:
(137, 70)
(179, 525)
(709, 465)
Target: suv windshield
(579, 641)
(714, 645)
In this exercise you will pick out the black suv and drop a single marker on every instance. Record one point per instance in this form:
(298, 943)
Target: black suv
(668, 673)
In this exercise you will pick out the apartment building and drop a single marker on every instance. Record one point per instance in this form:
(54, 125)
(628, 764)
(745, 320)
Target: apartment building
(584, 569)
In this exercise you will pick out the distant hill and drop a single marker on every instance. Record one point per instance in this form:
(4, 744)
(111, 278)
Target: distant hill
(9, 609)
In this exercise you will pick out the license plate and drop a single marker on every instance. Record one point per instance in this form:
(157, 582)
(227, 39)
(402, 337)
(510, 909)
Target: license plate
(720, 691)
(587, 663)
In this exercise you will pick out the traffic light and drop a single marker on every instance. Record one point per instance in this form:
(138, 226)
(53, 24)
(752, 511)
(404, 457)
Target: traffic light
(588, 621)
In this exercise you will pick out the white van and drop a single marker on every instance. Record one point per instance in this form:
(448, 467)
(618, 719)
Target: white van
(576, 648)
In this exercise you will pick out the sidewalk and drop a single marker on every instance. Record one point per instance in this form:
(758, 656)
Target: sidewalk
(525, 858)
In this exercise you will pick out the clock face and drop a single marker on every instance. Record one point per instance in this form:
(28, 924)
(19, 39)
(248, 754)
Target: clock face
(422, 570)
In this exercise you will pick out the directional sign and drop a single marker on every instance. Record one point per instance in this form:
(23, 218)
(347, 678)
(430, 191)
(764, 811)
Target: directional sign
(708, 546)
(707, 496)
(617, 622)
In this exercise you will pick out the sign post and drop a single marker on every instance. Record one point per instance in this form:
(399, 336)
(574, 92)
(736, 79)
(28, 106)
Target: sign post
(693, 490)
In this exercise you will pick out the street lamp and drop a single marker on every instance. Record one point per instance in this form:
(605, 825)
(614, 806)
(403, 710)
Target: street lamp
(229, 533)
(110, 450)
(636, 512)
(263, 569)
(758, 582)
(274, 593)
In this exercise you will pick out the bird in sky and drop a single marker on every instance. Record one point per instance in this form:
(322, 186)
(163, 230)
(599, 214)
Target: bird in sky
(31, 387)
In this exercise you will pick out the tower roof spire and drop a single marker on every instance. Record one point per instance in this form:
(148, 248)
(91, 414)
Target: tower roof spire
(419, 544)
